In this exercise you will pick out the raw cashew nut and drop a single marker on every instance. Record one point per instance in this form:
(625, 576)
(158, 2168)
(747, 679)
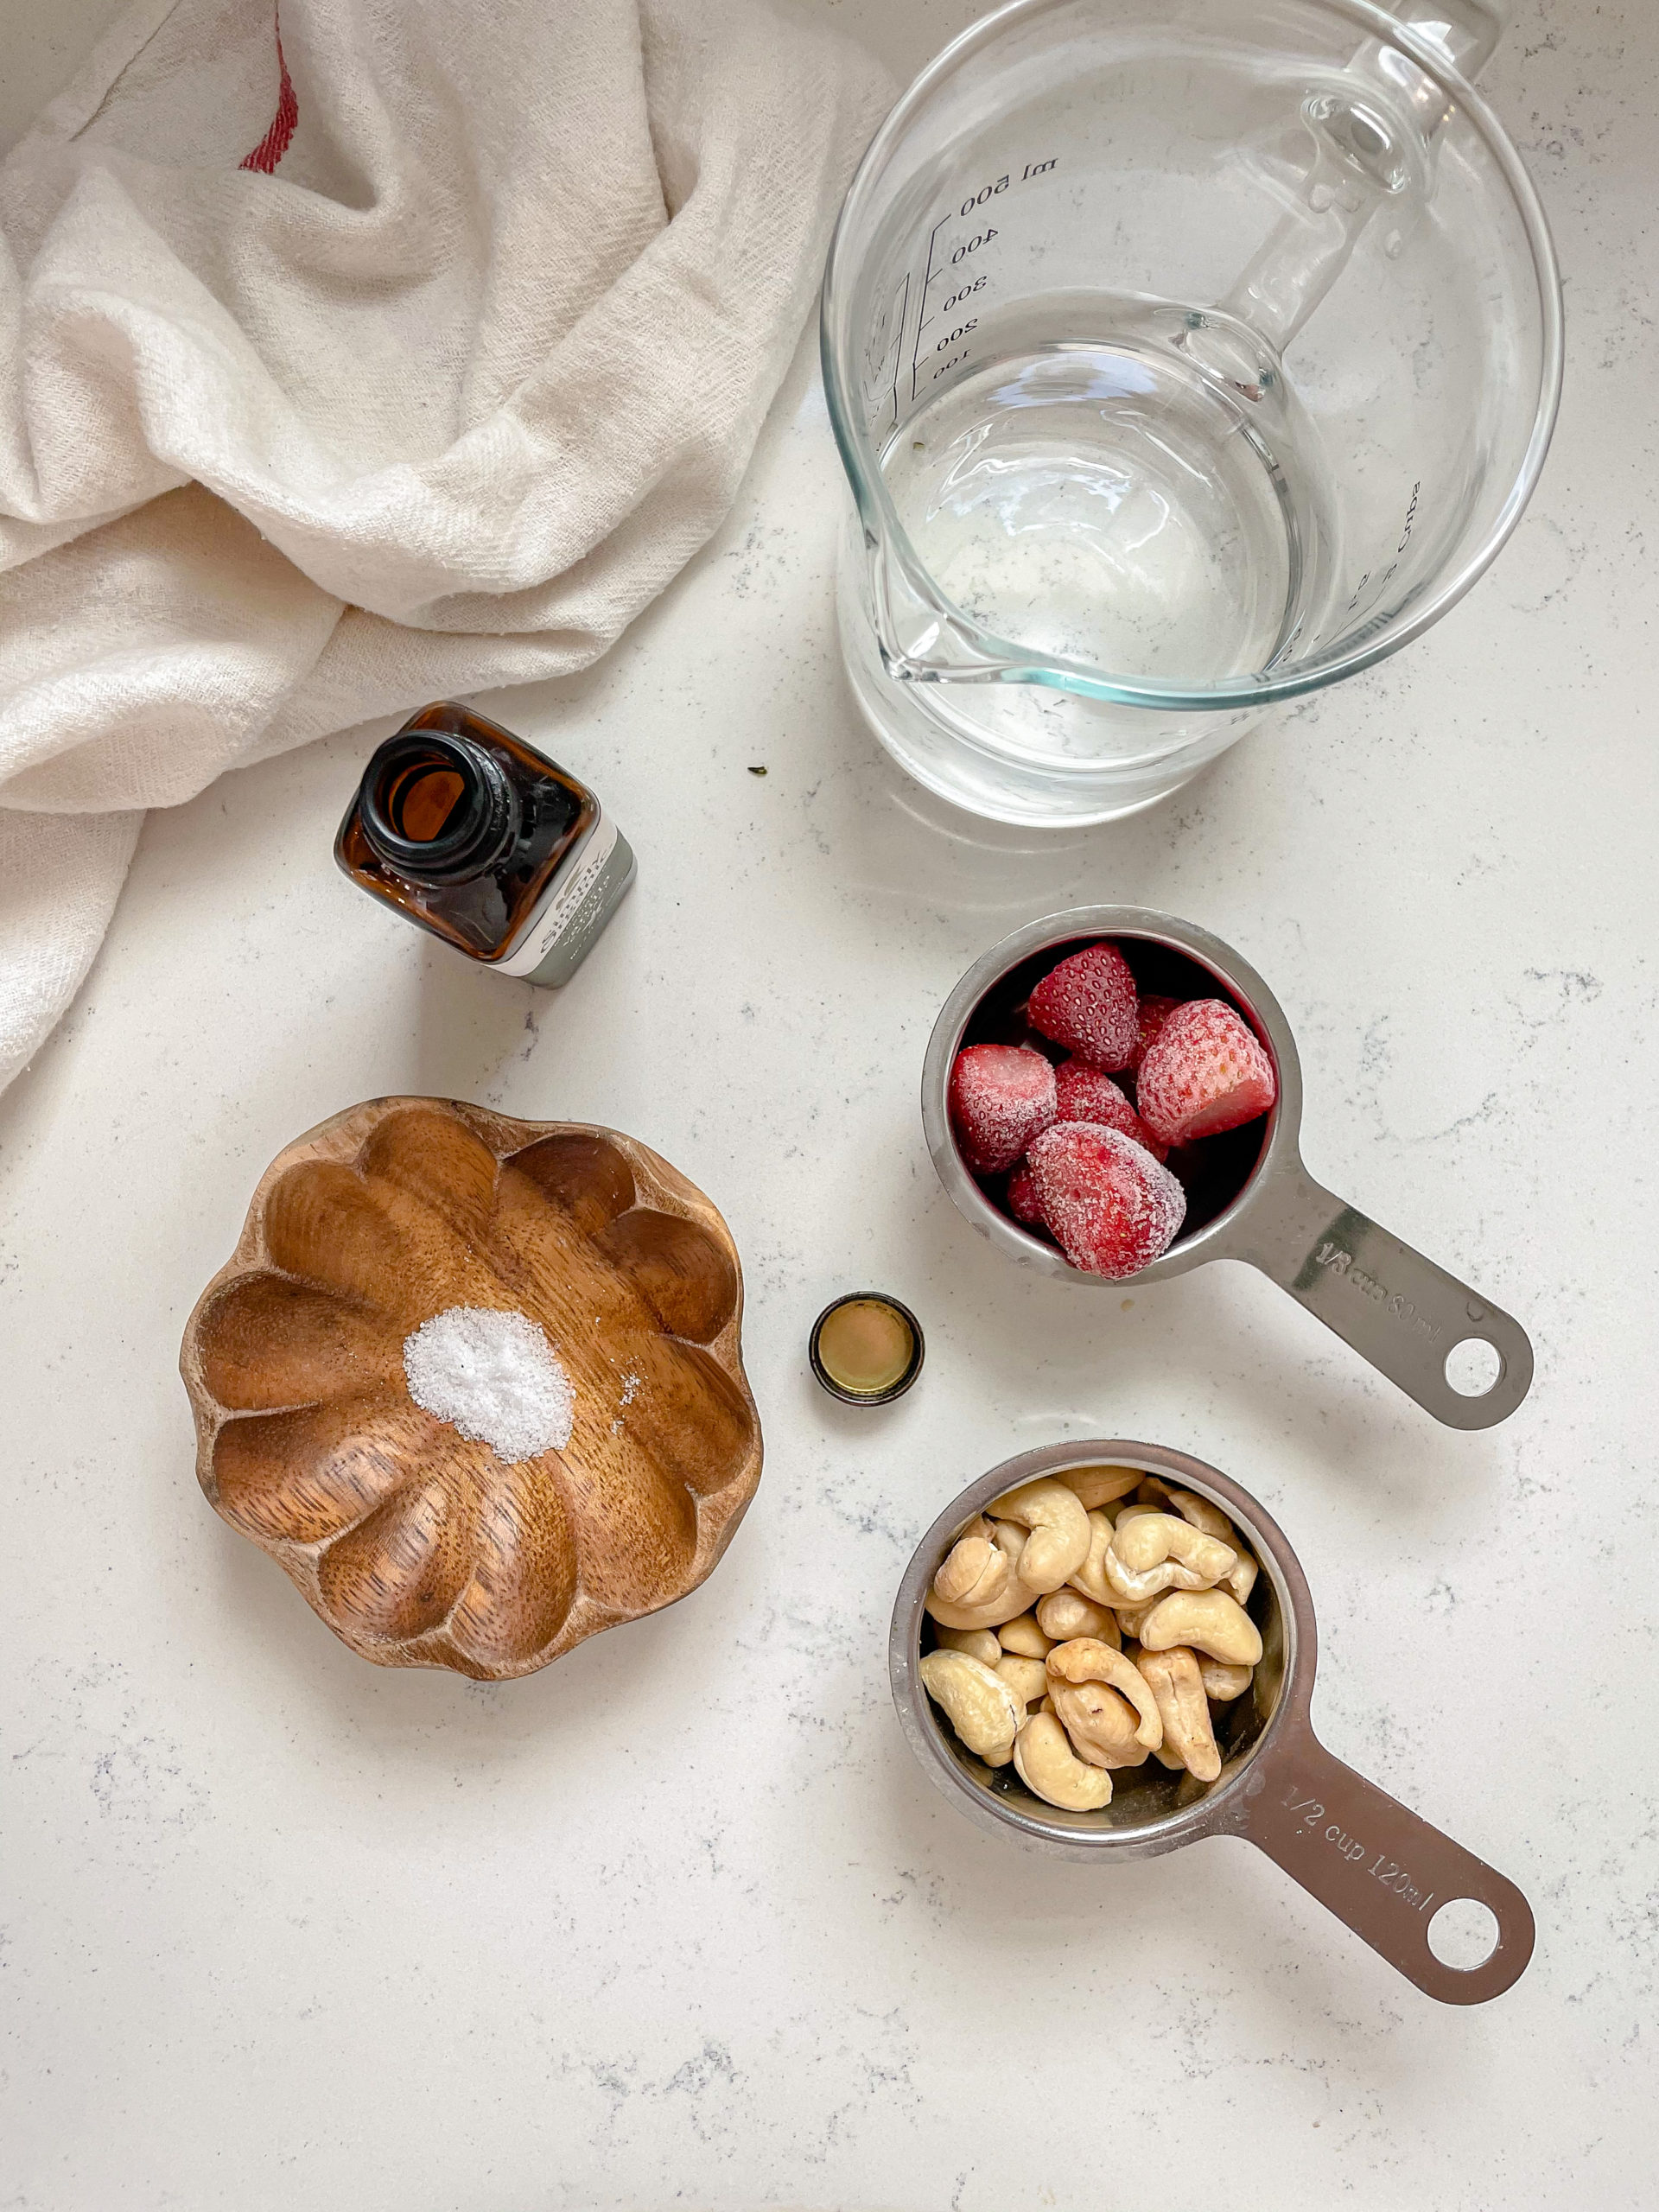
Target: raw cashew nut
(1129, 1617)
(1065, 1613)
(1086, 1659)
(1224, 1683)
(1010, 1540)
(1060, 1531)
(1173, 1677)
(1099, 1486)
(1151, 1538)
(1240, 1579)
(979, 1643)
(1209, 1620)
(978, 1704)
(1101, 1724)
(1045, 1763)
(1024, 1637)
(1091, 1577)
(1026, 1678)
(1199, 1511)
(1129, 1588)
(993, 1593)
(1018, 1599)
(971, 1572)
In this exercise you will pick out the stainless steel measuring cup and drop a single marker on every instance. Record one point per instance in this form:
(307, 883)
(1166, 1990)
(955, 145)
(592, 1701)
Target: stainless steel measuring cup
(1397, 1309)
(1381, 1870)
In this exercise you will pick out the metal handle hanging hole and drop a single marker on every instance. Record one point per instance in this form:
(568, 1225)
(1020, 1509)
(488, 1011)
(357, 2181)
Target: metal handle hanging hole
(1474, 1368)
(1463, 1934)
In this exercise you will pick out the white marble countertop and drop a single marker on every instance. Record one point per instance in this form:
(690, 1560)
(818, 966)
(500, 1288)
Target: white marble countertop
(680, 1919)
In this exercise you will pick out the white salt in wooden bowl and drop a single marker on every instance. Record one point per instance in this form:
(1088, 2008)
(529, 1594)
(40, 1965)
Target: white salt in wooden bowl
(422, 1547)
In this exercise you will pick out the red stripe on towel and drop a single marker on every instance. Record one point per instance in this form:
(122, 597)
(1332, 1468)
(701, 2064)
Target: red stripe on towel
(274, 144)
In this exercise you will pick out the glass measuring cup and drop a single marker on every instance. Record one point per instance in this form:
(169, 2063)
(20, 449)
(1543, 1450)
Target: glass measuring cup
(1185, 356)
(1410, 1319)
(1383, 1871)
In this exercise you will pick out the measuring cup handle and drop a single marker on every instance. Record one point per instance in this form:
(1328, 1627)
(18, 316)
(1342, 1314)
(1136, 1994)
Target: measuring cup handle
(1397, 1309)
(1308, 248)
(1384, 1872)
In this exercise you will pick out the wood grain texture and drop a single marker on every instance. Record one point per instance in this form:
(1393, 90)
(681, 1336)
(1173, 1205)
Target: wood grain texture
(418, 1547)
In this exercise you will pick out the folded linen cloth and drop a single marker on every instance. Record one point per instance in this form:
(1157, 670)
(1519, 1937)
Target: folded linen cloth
(392, 349)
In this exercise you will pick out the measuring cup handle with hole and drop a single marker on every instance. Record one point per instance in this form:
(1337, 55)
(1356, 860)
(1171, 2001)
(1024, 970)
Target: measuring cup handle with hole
(1397, 1309)
(1384, 1872)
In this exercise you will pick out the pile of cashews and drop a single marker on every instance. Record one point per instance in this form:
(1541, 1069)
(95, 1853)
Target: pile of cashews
(1077, 1634)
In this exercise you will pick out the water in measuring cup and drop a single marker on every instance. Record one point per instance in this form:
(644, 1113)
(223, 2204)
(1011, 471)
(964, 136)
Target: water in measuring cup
(1139, 502)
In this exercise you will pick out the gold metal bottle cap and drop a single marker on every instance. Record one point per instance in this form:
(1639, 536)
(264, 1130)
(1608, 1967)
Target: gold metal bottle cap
(867, 1349)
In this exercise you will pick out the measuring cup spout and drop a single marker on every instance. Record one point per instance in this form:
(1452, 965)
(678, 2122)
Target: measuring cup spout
(1372, 128)
(921, 640)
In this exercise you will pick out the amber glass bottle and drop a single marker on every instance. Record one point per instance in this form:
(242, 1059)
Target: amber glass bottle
(475, 836)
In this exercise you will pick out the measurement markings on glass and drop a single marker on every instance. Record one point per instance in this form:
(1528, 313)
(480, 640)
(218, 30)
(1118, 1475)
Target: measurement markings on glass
(1382, 1869)
(925, 318)
(957, 270)
(1404, 540)
(884, 358)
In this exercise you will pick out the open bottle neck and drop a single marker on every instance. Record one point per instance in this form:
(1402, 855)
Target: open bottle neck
(437, 808)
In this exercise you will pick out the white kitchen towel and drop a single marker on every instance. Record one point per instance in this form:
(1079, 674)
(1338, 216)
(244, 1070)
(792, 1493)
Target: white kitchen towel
(389, 349)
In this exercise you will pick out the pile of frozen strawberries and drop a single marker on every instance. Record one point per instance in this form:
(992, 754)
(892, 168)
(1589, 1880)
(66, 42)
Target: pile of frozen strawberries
(1084, 1143)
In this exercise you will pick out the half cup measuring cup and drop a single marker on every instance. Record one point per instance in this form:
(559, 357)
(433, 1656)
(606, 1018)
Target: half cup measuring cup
(1397, 1309)
(1380, 1869)
(1185, 356)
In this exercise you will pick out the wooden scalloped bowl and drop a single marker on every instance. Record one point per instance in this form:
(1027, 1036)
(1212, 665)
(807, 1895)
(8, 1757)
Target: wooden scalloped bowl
(417, 1547)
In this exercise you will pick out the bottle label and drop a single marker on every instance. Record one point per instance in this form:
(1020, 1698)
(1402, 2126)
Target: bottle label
(564, 907)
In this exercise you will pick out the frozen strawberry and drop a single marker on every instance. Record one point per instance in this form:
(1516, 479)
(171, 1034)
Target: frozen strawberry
(1149, 1021)
(1205, 1070)
(1108, 1203)
(1002, 1096)
(1088, 1004)
(1022, 1198)
(1083, 1094)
